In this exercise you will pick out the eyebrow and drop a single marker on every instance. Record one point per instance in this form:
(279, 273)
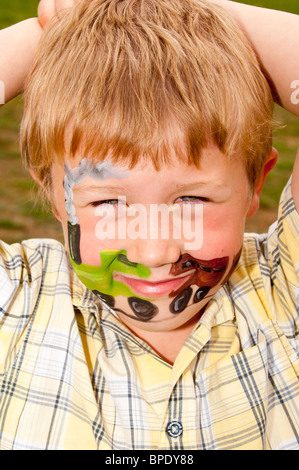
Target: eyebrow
(95, 188)
(180, 187)
(199, 184)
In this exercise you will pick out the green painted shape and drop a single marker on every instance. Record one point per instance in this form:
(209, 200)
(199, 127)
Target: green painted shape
(100, 278)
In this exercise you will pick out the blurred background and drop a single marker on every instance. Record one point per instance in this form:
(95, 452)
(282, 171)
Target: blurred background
(22, 216)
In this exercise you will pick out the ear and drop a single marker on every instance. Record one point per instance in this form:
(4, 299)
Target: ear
(270, 163)
(46, 193)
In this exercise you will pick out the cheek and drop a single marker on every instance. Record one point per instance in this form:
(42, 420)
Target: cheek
(90, 244)
(207, 277)
(223, 232)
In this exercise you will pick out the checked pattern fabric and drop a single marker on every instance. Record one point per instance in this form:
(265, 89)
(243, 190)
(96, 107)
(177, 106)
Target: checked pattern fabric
(73, 377)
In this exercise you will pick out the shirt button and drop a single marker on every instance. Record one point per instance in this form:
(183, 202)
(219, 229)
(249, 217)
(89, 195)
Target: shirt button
(174, 429)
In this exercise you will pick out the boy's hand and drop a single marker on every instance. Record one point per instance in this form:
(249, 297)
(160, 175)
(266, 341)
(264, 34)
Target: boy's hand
(18, 44)
(48, 8)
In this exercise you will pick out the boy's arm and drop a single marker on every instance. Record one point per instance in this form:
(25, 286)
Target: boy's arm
(18, 44)
(274, 36)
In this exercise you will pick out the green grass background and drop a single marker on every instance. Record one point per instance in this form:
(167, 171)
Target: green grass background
(21, 216)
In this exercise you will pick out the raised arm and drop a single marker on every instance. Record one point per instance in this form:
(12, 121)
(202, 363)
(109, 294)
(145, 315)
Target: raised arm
(18, 44)
(274, 36)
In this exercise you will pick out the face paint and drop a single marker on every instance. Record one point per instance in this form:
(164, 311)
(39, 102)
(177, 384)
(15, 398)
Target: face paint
(98, 171)
(181, 301)
(100, 278)
(205, 274)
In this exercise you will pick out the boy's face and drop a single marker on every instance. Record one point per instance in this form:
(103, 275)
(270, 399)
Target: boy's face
(156, 270)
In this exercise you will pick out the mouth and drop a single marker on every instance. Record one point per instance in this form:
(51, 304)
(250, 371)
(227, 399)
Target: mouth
(152, 289)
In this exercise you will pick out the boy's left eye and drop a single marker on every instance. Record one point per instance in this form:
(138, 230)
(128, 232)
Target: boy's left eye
(192, 199)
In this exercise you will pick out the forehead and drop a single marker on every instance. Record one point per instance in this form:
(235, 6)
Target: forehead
(215, 168)
(98, 171)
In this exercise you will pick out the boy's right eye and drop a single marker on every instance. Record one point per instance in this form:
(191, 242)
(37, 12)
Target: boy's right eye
(107, 202)
(192, 199)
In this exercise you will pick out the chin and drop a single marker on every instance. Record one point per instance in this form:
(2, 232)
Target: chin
(164, 322)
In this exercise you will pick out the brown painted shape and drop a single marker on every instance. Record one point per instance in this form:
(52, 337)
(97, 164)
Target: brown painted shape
(208, 273)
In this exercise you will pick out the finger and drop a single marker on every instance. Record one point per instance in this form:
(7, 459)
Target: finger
(62, 4)
(46, 10)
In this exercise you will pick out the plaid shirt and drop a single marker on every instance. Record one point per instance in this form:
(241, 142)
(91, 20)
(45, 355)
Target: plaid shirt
(73, 377)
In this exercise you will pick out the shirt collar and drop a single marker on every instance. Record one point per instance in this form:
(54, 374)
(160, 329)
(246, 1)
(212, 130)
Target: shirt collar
(219, 310)
(82, 297)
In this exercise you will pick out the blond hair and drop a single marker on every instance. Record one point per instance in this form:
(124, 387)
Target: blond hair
(142, 79)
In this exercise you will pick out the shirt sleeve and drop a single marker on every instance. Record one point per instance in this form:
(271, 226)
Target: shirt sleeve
(29, 274)
(282, 248)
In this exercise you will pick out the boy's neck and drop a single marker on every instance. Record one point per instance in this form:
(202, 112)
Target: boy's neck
(167, 344)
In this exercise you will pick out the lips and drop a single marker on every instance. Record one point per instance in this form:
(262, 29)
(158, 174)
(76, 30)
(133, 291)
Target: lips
(152, 289)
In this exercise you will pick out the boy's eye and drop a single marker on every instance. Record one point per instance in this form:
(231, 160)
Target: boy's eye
(192, 199)
(107, 202)
(183, 199)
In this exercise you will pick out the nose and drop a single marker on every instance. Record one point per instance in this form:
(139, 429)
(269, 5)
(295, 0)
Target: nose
(153, 253)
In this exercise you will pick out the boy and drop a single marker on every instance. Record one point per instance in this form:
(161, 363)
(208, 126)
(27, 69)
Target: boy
(143, 342)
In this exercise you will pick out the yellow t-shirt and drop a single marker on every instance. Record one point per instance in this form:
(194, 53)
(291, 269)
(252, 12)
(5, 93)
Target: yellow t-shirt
(73, 377)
